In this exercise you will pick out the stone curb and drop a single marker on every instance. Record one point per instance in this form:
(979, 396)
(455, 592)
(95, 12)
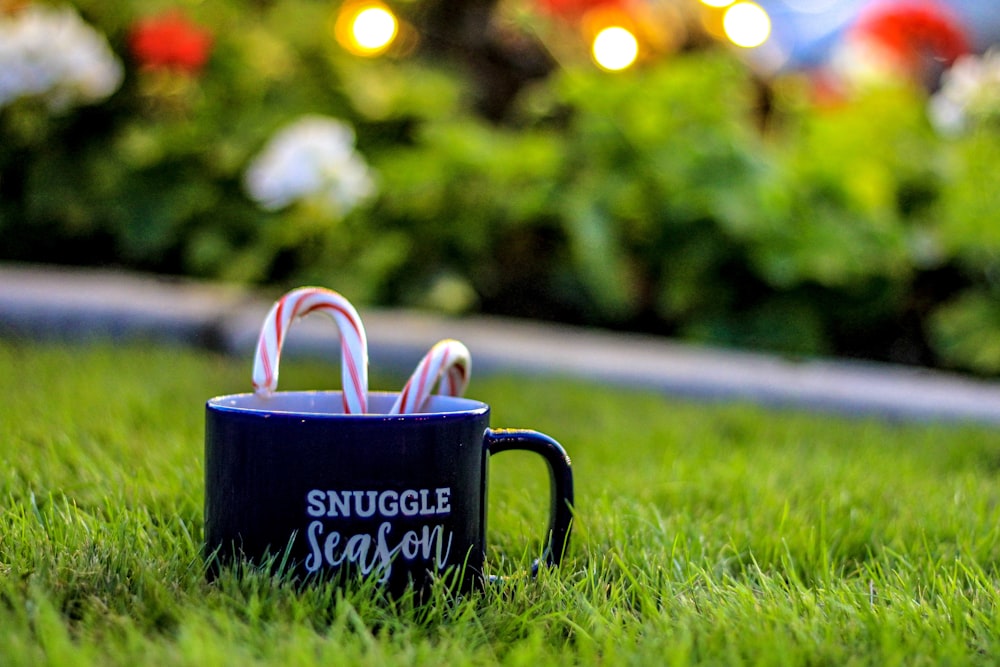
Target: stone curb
(79, 304)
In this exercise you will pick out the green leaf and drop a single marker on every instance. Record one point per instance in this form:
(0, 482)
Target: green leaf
(966, 331)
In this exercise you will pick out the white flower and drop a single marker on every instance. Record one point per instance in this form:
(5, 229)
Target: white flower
(52, 54)
(970, 89)
(313, 159)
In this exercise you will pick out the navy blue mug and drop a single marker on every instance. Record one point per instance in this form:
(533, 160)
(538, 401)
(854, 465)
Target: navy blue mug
(291, 478)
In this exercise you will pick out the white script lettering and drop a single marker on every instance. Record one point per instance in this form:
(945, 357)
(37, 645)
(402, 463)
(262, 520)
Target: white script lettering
(373, 552)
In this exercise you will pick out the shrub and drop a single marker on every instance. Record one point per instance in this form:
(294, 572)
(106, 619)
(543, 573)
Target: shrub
(684, 197)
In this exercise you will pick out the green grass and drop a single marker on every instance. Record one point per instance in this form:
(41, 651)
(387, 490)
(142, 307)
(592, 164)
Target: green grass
(704, 534)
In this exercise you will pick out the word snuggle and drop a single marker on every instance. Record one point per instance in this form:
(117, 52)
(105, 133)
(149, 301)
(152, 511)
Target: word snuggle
(375, 551)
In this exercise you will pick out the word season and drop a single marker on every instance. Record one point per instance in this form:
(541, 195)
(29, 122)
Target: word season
(364, 504)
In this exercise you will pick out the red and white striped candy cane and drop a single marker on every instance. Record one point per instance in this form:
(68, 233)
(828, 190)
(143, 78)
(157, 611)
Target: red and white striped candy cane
(353, 342)
(447, 364)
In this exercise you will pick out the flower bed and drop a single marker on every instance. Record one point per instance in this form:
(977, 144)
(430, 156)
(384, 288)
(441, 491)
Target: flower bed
(238, 141)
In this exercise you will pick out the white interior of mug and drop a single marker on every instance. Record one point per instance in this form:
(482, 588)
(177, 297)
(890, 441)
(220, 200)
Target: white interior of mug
(332, 403)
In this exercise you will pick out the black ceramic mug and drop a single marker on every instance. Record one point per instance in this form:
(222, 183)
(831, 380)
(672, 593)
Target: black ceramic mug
(401, 498)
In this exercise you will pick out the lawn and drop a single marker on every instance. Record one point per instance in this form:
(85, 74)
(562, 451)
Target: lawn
(704, 533)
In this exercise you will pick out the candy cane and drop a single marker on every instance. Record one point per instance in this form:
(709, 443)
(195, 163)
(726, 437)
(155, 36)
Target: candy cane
(353, 342)
(447, 364)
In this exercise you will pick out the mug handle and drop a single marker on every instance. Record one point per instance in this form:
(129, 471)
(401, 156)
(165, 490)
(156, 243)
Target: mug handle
(560, 476)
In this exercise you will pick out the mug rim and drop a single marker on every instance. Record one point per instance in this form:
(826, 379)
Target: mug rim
(251, 404)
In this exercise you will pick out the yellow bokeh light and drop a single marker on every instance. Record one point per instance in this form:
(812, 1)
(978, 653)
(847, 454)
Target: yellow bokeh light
(717, 3)
(366, 28)
(374, 28)
(747, 24)
(615, 48)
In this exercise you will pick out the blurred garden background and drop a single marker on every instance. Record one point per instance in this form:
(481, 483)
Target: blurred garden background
(812, 178)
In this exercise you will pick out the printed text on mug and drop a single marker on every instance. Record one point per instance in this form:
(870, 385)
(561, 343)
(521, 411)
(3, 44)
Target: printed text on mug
(376, 551)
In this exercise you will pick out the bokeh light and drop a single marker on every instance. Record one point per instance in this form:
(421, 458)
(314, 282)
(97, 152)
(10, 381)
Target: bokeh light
(366, 28)
(717, 3)
(615, 48)
(747, 24)
(374, 28)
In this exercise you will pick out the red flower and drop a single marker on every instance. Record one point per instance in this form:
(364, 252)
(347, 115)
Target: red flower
(570, 9)
(914, 30)
(170, 41)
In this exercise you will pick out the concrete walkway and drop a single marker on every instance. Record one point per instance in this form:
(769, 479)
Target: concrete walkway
(79, 304)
